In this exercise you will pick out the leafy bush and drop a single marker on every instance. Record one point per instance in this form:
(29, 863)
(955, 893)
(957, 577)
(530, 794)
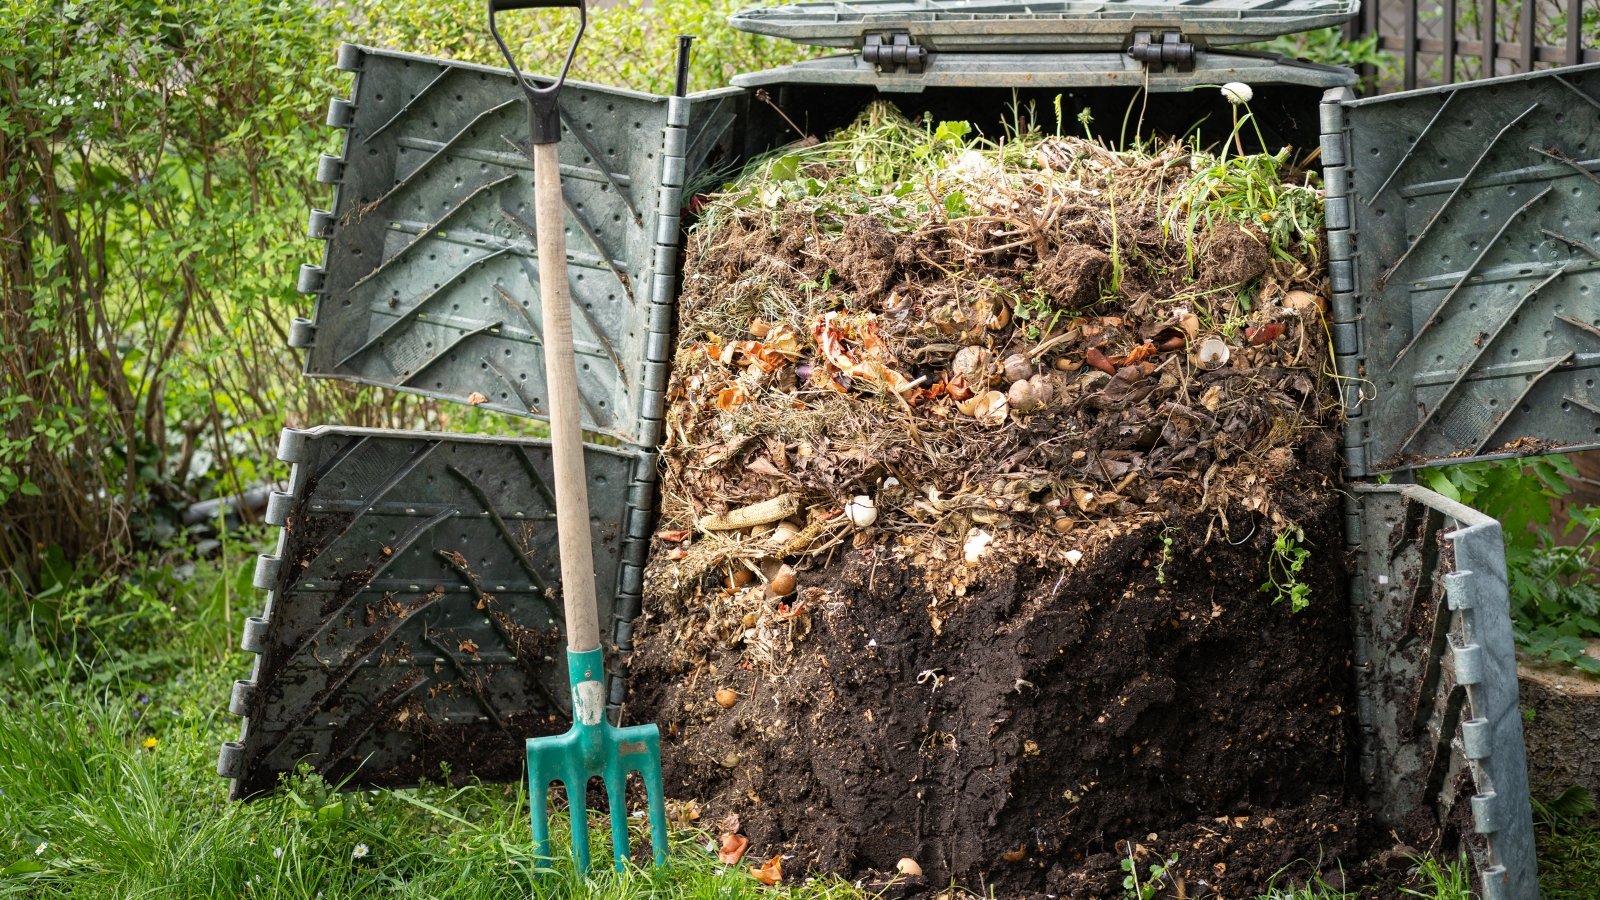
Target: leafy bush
(1555, 591)
(156, 165)
(153, 158)
(1330, 47)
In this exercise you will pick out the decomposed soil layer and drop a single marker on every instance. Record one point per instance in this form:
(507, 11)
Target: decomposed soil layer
(1000, 519)
(1148, 700)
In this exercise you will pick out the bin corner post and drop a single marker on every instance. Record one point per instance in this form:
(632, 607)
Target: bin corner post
(1345, 308)
(643, 484)
(663, 286)
(1492, 739)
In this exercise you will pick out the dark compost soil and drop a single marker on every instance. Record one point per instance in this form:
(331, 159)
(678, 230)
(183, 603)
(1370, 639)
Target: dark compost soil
(1023, 736)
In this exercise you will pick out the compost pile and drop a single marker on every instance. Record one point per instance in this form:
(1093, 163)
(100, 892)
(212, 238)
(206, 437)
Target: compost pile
(998, 529)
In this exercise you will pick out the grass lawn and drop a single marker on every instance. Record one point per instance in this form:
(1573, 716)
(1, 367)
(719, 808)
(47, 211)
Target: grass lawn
(108, 789)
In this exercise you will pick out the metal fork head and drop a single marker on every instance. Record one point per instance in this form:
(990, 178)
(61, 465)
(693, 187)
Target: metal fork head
(591, 748)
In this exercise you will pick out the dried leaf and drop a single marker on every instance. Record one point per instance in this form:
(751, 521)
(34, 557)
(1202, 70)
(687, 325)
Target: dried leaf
(731, 397)
(781, 339)
(1083, 499)
(834, 333)
(764, 466)
(1138, 353)
(683, 813)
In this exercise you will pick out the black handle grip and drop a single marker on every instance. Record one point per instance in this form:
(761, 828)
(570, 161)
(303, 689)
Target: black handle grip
(544, 116)
(508, 5)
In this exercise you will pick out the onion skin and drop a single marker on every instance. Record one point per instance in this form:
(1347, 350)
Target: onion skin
(783, 583)
(1097, 359)
(1261, 334)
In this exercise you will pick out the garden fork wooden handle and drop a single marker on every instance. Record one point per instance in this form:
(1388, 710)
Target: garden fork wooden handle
(560, 366)
(566, 428)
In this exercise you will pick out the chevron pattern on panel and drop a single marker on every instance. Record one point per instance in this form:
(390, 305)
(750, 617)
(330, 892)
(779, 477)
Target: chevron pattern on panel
(1436, 681)
(413, 624)
(431, 276)
(1477, 214)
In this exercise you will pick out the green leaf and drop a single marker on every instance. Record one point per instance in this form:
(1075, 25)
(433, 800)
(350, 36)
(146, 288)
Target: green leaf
(24, 866)
(785, 168)
(1439, 482)
(952, 132)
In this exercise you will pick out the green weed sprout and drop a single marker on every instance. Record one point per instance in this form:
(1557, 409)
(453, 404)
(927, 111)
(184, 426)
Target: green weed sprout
(1443, 881)
(1248, 189)
(1167, 541)
(1289, 557)
(1133, 888)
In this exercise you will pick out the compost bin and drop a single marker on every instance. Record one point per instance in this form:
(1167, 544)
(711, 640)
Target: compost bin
(409, 630)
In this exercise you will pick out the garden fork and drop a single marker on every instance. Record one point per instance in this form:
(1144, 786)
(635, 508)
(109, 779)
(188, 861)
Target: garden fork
(592, 747)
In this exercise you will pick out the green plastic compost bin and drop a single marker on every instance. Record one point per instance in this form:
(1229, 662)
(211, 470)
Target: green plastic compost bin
(411, 623)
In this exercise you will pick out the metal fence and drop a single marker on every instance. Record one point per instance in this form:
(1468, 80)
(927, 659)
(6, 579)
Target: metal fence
(1445, 41)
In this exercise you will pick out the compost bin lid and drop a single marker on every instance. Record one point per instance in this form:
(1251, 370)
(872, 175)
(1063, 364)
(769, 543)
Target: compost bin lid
(997, 25)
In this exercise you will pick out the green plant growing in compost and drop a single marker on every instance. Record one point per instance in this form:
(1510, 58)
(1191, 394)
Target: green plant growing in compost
(1133, 888)
(1251, 190)
(1038, 312)
(1316, 889)
(1288, 558)
(1168, 538)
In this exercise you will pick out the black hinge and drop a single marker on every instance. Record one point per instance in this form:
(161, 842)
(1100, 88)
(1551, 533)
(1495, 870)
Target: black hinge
(1171, 50)
(893, 51)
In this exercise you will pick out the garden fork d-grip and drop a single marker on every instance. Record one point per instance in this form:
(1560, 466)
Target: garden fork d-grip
(592, 747)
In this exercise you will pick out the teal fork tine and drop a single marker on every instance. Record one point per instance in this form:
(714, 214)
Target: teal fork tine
(593, 748)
